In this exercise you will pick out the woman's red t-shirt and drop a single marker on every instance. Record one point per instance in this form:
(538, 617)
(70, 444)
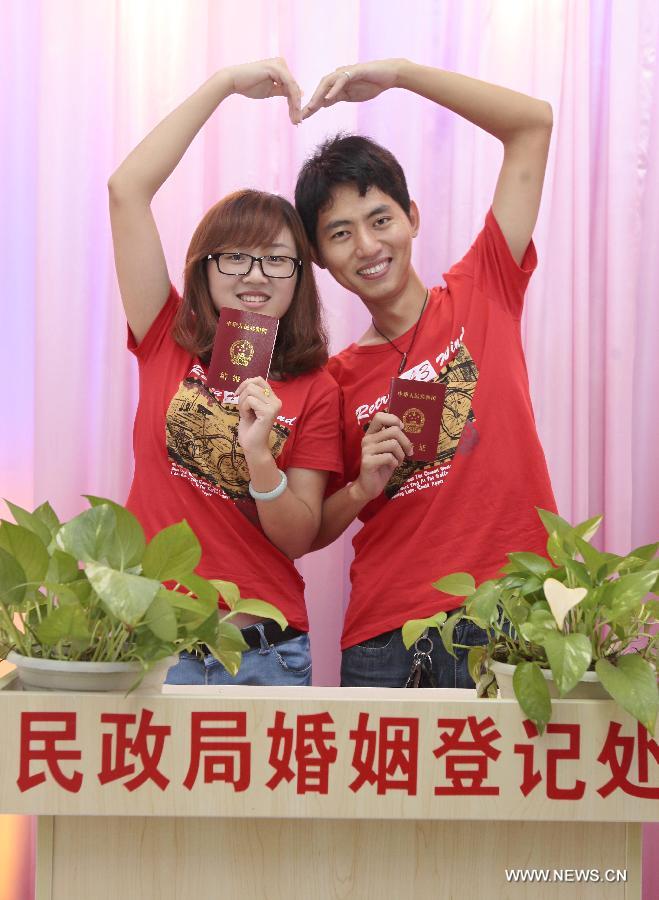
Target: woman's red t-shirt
(189, 464)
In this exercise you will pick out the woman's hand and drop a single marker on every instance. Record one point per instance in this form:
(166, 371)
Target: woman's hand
(384, 447)
(258, 407)
(353, 84)
(267, 78)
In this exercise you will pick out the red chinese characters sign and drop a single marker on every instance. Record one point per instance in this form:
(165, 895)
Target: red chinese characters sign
(386, 755)
(146, 746)
(467, 759)
(308, 753)
(44, 737)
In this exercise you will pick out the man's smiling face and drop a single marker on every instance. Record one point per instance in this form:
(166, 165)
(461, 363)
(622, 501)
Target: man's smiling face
(366, 242)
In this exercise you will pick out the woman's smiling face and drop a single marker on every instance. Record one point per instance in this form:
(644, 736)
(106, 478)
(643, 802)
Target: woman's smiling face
(255, 291)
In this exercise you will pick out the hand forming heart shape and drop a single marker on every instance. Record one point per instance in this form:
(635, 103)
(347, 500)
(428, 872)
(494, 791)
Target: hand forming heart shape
(353, 84)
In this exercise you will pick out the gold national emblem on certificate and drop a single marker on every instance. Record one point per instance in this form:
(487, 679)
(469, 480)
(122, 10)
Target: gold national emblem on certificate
(413, 420)
(241, 353)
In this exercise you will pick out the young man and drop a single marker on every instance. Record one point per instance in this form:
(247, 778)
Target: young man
(477, 500)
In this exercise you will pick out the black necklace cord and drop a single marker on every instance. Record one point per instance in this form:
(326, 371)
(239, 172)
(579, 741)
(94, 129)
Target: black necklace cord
(406, 353)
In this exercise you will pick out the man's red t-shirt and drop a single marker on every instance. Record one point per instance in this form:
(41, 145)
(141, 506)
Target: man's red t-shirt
(476, 502)
(189, 464)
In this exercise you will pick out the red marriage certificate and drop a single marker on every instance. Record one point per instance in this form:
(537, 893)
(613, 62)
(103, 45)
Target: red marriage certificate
(419, 405)
(243, 347)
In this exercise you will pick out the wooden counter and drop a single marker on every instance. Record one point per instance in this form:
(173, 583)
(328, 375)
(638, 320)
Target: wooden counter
(324, 793)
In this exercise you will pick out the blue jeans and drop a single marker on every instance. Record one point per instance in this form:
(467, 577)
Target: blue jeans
(383, 661)
(287, 663)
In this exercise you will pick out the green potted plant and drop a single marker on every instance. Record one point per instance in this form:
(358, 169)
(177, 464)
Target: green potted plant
(87, 599)
(557, 623)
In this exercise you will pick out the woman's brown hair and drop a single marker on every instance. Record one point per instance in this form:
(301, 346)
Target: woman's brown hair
(251, 219)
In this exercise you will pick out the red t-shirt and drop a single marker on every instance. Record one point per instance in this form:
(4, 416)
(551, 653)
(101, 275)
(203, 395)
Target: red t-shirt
(475, 503)
(189, 464)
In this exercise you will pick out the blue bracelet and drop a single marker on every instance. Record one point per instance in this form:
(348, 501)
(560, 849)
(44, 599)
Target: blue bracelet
(274, 493)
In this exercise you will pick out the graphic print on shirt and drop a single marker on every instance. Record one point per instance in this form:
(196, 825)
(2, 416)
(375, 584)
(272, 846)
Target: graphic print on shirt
(202, 440)
(457, 429)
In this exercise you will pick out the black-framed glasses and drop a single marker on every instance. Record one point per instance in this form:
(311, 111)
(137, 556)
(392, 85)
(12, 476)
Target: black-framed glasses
(272, 266)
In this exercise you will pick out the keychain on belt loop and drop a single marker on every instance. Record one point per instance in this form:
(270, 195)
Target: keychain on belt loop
(421, 672)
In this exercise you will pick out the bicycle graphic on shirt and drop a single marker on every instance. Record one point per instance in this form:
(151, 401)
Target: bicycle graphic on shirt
(202, 437)
(460, 377)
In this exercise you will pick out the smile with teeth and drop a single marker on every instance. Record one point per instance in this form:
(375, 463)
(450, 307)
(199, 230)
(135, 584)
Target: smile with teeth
(374, 269)
(253, 298)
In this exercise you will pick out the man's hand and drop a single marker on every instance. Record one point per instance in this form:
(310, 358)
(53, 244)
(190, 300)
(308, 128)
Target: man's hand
(384, 447)
(353, 84)
(267, 78)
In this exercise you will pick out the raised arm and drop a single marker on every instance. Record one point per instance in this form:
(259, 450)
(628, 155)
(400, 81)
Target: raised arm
(523, 124)
(139, 259)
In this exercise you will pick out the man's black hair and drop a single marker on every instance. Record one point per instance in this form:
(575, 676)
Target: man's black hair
(347, 159)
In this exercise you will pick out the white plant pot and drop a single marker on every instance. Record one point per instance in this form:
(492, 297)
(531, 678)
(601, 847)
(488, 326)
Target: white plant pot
(69, 675)
(589, 688)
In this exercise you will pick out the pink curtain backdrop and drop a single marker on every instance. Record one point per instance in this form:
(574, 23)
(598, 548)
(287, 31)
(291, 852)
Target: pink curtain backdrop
(81, 83)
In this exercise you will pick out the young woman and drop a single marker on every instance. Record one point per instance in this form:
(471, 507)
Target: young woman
(247, 475)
